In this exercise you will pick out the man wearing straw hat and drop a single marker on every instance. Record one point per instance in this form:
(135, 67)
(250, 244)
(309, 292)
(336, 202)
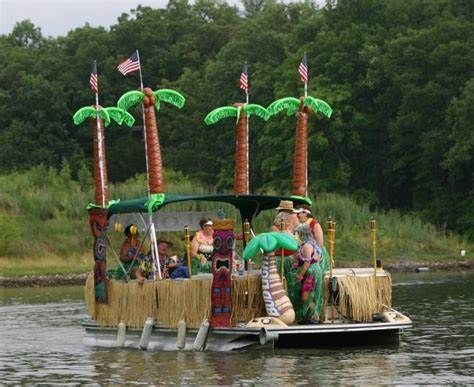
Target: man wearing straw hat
(286, 213)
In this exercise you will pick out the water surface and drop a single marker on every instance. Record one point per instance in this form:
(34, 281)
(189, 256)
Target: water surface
(41, 342)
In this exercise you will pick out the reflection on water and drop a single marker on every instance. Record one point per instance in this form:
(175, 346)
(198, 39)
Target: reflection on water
(41, 342)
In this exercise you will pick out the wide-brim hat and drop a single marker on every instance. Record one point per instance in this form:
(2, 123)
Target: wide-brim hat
(163, 240)
(285, 205)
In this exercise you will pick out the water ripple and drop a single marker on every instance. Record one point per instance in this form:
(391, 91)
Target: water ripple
(41, 343)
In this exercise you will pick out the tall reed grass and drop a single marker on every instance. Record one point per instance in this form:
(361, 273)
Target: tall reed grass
(44, 228)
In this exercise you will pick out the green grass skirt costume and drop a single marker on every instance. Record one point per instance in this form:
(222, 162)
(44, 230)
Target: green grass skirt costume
(305, 311)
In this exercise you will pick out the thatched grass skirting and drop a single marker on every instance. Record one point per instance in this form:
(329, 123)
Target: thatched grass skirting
(169, 301)
(361, 294)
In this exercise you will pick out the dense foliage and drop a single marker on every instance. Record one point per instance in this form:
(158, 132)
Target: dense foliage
(45, 229)
(398, 74)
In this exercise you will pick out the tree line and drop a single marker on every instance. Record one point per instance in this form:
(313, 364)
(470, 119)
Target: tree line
(398, 75)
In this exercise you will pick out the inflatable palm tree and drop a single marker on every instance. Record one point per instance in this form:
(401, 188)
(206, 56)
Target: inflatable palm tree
(100, 117)
(302, 108)
(277, 303)
(241, 112)
(151, 101)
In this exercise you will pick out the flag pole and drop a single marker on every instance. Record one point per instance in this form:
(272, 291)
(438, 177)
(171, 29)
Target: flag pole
(154, 243)
(247, 133)
(144, 124)
(99, 140)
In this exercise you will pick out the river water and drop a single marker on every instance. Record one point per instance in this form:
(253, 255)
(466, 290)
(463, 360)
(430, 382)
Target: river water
(41, 343)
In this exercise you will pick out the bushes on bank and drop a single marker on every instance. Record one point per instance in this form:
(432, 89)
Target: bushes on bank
(43, 215)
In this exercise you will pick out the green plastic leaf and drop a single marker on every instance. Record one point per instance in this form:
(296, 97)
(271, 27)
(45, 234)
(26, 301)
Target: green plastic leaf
(285, 241)
(257, 110)
(115, 114)
(105, 116)
(154, 202)
(318, 105)
(268, 242)
(129, 99)
(83, 114)
(252, 248)
(120, 116)
(157, 105)
(128, 119)
(113, 202)
(291, 104)
(306, 199)
(170, 96)
(220, 113)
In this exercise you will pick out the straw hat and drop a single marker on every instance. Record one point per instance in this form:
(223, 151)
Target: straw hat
(285, 205)
(163, 240)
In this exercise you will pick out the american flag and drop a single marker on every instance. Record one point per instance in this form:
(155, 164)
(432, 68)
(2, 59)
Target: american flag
(130, 64)
(93, 79)
(244, 79)
(303, 69)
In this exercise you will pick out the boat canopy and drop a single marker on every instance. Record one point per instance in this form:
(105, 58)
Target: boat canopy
(248, 205)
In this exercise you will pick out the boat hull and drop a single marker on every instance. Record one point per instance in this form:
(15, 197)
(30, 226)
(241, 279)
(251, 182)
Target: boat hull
(236, 338)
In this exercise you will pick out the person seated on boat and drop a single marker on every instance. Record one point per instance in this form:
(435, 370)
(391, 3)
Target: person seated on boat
(130, 253)
(163, 254)
(175, 270)
(202, 246)
(308, 273)
(305, 216)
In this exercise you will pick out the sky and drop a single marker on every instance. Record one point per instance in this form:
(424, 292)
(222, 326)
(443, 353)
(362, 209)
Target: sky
(57, 17)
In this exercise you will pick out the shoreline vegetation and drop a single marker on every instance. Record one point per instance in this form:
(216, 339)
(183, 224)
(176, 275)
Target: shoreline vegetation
(44, 227)
(80, 279)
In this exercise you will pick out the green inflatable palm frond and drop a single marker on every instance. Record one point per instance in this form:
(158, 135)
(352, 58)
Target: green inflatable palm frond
(83, 114)
(105, 116)
(120, 116)
(129, 99)
(128, 119)
(170, 96)
(291, 104)
(268, 242)
(259, 111)
(220, 113)
(252, 248)
(285, 241)
(318, 105)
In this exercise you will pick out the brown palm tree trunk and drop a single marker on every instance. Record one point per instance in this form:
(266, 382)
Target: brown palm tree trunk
(241, 176)
(300, 163)
(156, 183)
(101, 180)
